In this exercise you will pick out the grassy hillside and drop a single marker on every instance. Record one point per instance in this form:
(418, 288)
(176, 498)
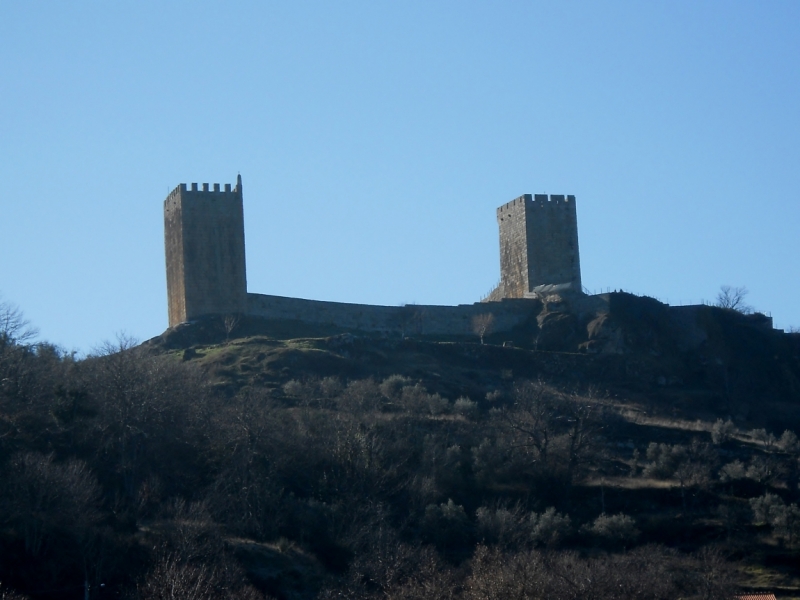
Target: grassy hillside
(590, 453)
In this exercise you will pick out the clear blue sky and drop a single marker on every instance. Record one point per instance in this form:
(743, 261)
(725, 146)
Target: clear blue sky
(375, 140)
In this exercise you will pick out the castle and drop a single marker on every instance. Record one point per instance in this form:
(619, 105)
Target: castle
(538, 246)
(206, 275)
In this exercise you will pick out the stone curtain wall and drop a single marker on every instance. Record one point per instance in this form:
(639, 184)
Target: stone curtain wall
(205, 255)
(204, 240)
(417, 319)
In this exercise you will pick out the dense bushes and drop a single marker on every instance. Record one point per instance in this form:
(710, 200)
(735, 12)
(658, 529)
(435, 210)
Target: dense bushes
(129, 469)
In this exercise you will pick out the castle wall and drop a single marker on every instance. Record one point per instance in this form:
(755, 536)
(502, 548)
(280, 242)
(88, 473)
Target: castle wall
(204, 241)
(511, 218)
(552, 233)
(538, 244)
(173, 246)
(205, 255)
(415, 319)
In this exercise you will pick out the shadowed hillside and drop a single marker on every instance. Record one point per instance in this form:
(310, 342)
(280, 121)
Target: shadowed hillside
(605, 444)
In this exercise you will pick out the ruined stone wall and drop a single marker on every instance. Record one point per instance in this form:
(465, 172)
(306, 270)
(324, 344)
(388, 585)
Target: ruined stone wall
(417, 319)
(205, 255)
(511, 218)
(173, 247)
(552, 230)
(204, 243)
(538, 244)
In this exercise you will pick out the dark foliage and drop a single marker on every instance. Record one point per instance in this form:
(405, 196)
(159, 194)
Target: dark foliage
(259, 468)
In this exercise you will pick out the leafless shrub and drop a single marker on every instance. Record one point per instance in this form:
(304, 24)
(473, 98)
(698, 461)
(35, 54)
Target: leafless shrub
(766, 508)
(14, 327)
(176, 577)
(494, 397)
(733, 471)
(784, 519)
(496, 575)
(763, 468)
(191, 532)
(789, 443)
(733, 298)
(392, 386)
(690, 464)
(495, 460)
(722, 431)
(446, 524)
(767, 440)
(360, 395)
(648, 573)
(466, 407)
(148, 408)
(619, 528)
(711, 575)
(482, 325)
(229, 324)
(393, 570)
(245, 495)
(306, 390)
(557, 434)
(330, 387)
(550, 528)
(502, 525)
(416, 400)
(48, 498)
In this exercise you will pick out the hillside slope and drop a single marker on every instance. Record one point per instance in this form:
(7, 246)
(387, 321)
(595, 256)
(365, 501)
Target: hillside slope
(699, 361)
(607, 444)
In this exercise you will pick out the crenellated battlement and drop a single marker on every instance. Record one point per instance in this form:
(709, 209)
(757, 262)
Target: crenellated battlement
(183, 191)
(539, 201)
(206, 190)
(184, 188)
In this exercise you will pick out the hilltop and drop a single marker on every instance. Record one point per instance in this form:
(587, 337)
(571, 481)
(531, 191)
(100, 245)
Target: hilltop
(694, 361)
(604, 443)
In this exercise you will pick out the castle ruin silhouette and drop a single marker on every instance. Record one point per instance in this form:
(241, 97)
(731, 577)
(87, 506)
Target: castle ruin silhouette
(206, 271)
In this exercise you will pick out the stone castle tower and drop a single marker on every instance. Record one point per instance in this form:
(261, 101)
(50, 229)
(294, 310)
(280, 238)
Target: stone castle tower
(538, 246)
(205, 252)
(204, 243)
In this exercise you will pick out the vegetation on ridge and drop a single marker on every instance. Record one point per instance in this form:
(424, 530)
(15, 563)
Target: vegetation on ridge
(592, 457)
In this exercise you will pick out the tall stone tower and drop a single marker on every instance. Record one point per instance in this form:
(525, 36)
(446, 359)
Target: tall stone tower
(204, 243)
(538, 245)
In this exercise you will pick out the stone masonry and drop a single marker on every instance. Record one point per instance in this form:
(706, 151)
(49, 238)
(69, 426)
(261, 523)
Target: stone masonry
(538, 246)
(411, 319)
(204, 244)
(205, 253)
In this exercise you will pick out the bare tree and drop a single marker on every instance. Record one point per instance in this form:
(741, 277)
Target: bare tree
(52, 498)
(584, 427)
(173, 578)
(733, 298)
(482, 325)
(713, 576)
(691, 464)
(230, 322)
(767, 439)
(14, 327)
(531, 419)
(410, 319)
